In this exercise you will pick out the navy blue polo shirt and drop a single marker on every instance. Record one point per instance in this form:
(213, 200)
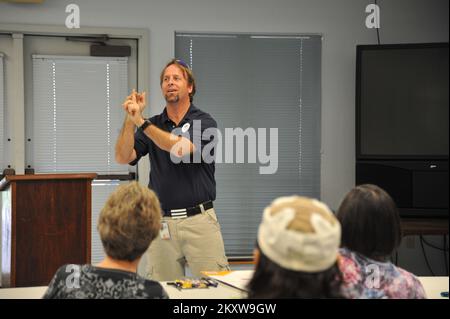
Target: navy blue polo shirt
(182, 184)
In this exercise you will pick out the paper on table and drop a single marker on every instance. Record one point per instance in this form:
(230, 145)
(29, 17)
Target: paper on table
(238, 278)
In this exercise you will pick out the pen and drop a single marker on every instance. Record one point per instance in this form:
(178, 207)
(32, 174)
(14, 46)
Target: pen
(175, 284)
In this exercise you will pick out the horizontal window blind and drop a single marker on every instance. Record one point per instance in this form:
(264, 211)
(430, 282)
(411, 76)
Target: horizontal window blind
(100, 192)
(77, 113)
(259, 81)
(77, 116)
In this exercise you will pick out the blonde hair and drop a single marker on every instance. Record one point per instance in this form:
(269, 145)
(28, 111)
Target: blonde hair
(129, 221)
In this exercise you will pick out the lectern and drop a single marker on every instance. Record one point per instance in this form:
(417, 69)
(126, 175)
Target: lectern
(46, 223)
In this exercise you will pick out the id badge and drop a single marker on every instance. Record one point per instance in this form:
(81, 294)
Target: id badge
(164, 232)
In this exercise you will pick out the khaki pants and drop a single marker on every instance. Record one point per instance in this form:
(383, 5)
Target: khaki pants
(195, 242)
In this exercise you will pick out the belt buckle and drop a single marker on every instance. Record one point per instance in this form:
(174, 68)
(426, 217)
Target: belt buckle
(178, 213)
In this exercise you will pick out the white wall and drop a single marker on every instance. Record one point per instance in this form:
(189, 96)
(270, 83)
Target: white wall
(340, 22)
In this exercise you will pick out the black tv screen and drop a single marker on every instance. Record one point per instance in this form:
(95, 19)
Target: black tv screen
(402, 101)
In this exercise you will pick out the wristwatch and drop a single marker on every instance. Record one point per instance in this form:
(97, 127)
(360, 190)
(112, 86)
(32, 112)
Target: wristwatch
(146, 124)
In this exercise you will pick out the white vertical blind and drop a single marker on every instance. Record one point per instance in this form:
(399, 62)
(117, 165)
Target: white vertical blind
(250, 81)
(77, 113)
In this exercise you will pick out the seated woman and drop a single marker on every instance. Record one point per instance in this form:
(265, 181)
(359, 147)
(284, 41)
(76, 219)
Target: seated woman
(297, 251)
(129, 221)
(371, 232)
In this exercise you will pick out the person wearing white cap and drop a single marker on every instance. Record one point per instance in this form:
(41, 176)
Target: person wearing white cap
(297, 251)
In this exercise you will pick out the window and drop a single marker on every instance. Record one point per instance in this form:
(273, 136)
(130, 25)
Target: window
(101, 189)
(255, 81)
(76, 113)
(77, 117)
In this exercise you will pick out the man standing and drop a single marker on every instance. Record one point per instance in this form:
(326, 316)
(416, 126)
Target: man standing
(190, 232)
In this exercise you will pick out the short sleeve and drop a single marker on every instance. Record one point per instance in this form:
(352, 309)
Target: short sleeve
(141, 142)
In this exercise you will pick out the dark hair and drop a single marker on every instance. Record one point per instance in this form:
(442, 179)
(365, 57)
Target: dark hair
(370, 222)
(188, 75)
(271, 281)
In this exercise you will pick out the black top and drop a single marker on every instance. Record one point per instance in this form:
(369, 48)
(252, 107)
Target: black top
(90, 282)
(191, 181)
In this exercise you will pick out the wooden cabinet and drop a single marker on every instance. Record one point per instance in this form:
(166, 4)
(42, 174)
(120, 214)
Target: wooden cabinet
(424, 226)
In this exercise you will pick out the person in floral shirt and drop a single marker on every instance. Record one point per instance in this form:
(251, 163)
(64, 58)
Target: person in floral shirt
(371, 232)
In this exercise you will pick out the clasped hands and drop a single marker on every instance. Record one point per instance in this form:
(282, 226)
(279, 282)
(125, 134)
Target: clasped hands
(134, 106)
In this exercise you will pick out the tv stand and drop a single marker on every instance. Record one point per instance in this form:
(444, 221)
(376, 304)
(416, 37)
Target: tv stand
(424, 226)
(419, 187)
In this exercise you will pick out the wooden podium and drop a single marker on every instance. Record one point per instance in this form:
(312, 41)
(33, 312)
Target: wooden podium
(46, 223)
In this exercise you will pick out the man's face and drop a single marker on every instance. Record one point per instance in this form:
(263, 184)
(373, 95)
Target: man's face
(174, 85)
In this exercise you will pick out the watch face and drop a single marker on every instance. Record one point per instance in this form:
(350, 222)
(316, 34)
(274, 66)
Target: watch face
(146, 124)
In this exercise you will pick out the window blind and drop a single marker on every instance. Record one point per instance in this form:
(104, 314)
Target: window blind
(260, 82)
(101, 189)
(77, 113)
(77, 116)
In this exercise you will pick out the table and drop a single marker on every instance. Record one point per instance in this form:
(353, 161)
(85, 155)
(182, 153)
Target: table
(433, 288)
(220, 292)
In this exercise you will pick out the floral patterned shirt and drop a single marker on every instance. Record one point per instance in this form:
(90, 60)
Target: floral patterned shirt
(90, 282)
(365, 278)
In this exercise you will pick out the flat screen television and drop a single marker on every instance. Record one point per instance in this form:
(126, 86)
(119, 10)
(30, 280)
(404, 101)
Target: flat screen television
(402, 106)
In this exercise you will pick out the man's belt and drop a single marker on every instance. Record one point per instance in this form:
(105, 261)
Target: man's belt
(187, 212)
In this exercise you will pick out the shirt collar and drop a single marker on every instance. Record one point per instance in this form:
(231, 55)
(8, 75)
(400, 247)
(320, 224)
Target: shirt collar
(187, 117)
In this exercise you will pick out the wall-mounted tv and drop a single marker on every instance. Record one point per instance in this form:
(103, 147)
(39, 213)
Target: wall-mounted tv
(402, 105)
